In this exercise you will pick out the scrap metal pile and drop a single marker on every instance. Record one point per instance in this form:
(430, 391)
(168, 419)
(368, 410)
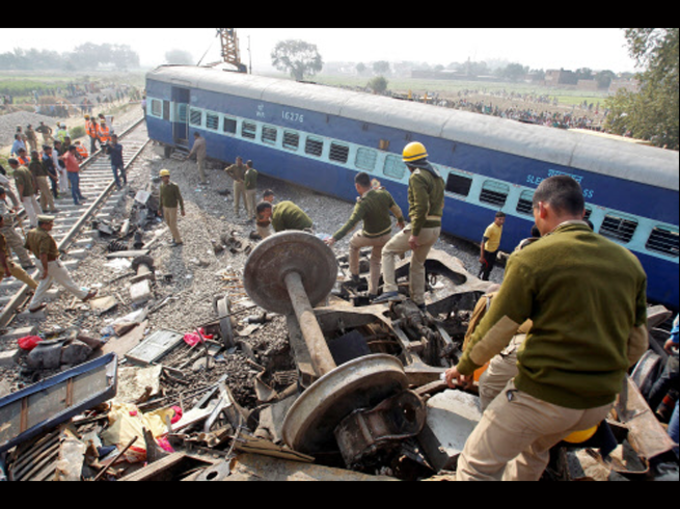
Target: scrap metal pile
(355, 392)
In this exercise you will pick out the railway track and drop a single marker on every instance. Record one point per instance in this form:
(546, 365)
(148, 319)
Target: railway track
(98, 187)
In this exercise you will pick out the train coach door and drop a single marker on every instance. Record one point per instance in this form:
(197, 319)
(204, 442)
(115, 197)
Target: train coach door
(180, 126)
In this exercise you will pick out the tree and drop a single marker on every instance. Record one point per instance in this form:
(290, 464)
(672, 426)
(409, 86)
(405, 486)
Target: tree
(652, 113)
(514, 72)
(378, 85)
(297, 57)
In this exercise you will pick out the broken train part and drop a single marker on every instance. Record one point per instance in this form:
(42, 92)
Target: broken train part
(289, 273)
(40, 407)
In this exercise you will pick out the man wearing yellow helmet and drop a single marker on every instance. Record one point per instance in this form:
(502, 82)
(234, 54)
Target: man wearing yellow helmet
(171, 198)
(426, 208)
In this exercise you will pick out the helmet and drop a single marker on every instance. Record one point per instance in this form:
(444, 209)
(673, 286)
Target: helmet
(413, 152)
(165, 173)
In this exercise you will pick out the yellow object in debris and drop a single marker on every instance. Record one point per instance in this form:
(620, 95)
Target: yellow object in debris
(578, 437)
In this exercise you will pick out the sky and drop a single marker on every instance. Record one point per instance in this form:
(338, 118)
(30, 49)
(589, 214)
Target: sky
(537, 48)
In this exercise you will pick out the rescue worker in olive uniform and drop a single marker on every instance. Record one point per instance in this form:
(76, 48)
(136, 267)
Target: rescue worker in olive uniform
(426, 208)
(250, 185)
(171, 198)
(7, 266)
(373, 208)
(44, 248)
(237, 172)
(284, 216)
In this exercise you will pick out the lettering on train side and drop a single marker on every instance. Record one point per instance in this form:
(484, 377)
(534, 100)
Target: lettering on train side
(292, 116)
(535, 180)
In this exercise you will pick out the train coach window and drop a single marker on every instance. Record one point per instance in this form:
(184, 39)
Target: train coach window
(229, 125)
(458, 184)
(394, 167)
(269, 135)
(196, 117)
(366, 159)
(156, 108)
(525, 203)
(212, 121)
(313, 146)
(339, 153)
(291, 140)
(664, 240)
(618, 227)
(494, 193)
(248, 130)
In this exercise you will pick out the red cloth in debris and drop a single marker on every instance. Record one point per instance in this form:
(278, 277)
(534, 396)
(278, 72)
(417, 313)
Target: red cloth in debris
(29, 342)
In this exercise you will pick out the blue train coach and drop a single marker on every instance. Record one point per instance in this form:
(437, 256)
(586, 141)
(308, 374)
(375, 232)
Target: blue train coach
(320, 137)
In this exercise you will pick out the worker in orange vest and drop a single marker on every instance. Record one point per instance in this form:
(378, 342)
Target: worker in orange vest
(103, 133)
(91, 129)
(82, 151)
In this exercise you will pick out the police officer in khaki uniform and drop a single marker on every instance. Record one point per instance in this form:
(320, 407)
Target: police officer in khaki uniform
(8, 267)
(237, 171)
(44, 248)
(373, 208)
(14, 241)
(171, 199)
(426, 208)
(250, 185)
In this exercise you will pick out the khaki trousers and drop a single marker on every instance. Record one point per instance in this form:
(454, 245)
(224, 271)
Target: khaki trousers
(46, 198)
(398, 246)
(502, 368)
(200, 164)
(239, 193)
(250, 202)
(512, 441)
(16, 244)
(358, 241)
(55, 272)
(32, 208)
(170, 216)
(18, 273)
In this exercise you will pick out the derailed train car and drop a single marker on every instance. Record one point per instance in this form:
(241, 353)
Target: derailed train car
(320, 137)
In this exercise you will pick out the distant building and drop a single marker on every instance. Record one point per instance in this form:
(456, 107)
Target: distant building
(561, 77)
(630, 84)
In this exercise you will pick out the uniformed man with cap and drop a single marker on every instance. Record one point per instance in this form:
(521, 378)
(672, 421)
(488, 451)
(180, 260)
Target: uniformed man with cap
(7, 266)
(171, 198)
(14, 241)
(40, 242)
(426, 208)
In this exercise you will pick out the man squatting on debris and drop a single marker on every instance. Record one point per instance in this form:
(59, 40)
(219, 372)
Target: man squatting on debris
(586, 297)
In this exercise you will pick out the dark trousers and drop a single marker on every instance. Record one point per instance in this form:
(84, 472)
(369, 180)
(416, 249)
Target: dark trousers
(487, 265)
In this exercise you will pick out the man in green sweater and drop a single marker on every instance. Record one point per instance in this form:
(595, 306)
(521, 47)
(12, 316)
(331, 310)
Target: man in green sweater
(373, 208)
(283, 216)
(426, 208)
(170, 200)
(586, 297)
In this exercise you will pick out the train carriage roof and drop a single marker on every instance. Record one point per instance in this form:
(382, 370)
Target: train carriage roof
(617, 158)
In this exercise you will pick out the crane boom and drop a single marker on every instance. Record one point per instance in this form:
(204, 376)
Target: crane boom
(230, 49)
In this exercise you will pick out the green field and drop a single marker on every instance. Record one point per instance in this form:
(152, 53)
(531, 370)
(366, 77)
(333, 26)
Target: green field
(565, 97)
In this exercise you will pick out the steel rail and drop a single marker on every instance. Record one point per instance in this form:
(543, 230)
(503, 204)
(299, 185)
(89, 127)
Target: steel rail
(20, 297)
